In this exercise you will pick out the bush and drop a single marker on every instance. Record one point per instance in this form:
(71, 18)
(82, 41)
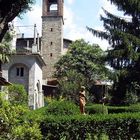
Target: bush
(122, 109)
(130, 98)
(134, 108)
(62, 108)
(27, 131)
(17, 94)
(77, 127)
(96, 109)
(115, 109)
(13, 126)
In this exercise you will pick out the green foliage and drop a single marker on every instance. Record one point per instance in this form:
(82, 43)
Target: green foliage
(61, 108)
(17, 94)
(69, 85)
(130, 98)
(114, 109)
(134, 107)
(123, 55)
(36, 115)
(85, 59)
(13, 124)
(82, 65)
(27, 131)
(96, 109)
(120, 126)
(5, 48)
(13, 9)
(3, 101)
(122, 109)
(9, 118)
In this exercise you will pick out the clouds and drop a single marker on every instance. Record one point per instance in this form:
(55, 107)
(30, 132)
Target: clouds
(73, 31)
(107, 6)
(26, 24)
(70, 1)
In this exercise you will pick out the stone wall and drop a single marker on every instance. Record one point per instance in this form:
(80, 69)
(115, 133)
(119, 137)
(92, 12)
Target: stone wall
(52, 43)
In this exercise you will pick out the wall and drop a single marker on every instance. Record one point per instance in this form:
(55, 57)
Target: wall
(52, 43)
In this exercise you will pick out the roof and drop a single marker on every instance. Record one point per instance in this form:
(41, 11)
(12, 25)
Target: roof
(37, 55)
(3, 82)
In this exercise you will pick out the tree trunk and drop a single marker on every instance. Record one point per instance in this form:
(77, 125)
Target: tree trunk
(3, 29)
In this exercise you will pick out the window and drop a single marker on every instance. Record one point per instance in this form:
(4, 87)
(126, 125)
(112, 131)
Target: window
(51, 43)
(51, 29)
(20, 71)
(53, 7)
(50, 54)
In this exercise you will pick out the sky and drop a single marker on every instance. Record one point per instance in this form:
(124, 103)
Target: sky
(77, 15)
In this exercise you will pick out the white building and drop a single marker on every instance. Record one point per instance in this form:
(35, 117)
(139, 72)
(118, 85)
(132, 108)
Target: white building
(25, 67)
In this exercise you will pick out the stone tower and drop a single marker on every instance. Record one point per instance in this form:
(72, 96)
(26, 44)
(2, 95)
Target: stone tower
(52, 35)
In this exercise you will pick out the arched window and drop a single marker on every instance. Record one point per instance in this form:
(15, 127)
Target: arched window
(53, 7)
(38, 86)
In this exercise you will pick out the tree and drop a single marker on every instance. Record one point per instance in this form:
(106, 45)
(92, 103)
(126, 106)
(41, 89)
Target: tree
(70, 84)
(9, 9)
(124, 56)
(84, 61)
(17, 95)
(13, 123)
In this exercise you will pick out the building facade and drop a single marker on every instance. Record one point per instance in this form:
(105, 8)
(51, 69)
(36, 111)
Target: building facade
(25, 68)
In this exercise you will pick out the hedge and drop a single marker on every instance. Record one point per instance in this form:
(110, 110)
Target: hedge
(80, 127)
(121, 109)
(96, 109)
(103, 109)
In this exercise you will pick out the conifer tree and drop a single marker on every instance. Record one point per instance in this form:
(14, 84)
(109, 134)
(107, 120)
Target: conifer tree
(123, 56)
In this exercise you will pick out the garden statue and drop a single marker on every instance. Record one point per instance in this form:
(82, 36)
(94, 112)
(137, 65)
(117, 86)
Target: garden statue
(82, 99)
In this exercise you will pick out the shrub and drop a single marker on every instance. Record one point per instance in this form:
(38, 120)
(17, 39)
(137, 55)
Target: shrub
(17, 94)
(130, 98)
(13, 126)
(27, 131)
(134, 108)
(77, 127)
(96, 109)
(116, 109)
(123, 109)
(62, 108)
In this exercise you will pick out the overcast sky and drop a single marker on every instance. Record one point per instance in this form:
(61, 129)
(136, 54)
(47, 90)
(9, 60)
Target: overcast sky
(77, 15)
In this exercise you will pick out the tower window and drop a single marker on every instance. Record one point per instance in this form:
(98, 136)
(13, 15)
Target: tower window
(51, 29)
(53, 7)
(51, 43)
(20, 71)
(50, 54)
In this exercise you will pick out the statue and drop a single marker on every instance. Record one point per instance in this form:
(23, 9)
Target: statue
(82, 99)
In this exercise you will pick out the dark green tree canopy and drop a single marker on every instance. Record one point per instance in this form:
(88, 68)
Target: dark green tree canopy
(123, 36)
(9, 9)
(83, 64)
(85, 58)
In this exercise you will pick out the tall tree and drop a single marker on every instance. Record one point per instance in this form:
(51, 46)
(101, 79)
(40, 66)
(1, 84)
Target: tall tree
(85, 59)
(9, 9)
(124, 38)
(83, 64)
